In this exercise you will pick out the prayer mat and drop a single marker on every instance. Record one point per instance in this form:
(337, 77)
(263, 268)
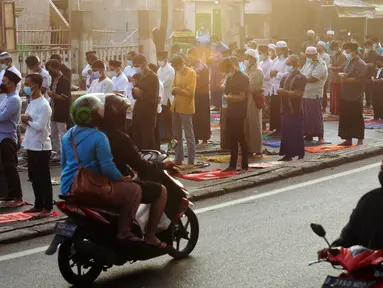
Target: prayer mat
(263, 165)
(326, 148)
(329, 117)
(373, 125)
(209, 175)
(368, 112)
(21, 216)
(216, 158)
(4, 204)
(215, 126)
(367, 121)
(271, 137)
(277, 144)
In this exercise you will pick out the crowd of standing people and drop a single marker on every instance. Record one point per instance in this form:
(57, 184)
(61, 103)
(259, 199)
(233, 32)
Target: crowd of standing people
(256, 89)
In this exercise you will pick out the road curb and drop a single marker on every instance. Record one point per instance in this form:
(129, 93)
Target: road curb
(234, 184)
(33, 230)
(292, 169)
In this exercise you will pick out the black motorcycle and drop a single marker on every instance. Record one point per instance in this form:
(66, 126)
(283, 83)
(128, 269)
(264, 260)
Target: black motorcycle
(87, 244)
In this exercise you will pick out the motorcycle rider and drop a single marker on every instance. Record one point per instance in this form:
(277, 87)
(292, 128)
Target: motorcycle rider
(125, 152)
(365, 226)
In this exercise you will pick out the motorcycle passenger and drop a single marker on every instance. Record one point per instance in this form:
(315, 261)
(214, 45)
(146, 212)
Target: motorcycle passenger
(125, 152)
(365, 226)
(94, 154)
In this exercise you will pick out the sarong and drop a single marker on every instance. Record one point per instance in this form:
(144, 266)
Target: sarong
(312, 118)
(292, 143)
(351, 122)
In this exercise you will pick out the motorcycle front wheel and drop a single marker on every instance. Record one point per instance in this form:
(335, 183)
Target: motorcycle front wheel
(185, 235)
(78, 270)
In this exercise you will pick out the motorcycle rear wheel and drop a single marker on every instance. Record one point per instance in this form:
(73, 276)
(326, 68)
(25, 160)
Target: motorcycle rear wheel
(66, 254)
(181, 233)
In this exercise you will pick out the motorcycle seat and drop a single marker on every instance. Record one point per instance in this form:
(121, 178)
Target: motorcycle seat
(102, 209)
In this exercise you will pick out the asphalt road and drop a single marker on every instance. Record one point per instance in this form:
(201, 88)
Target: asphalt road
(254, 238)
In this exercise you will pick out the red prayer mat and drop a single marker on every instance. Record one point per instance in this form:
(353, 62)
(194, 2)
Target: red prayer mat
(20, 216)
(326, 148)
(208, 175)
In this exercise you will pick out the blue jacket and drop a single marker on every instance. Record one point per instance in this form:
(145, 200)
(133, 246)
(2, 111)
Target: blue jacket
(94, 154)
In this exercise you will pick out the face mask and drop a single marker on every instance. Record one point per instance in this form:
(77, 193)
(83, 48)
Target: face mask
(138, 69)
(353, 41)
(261, 57)
(247, 63)
(113, 74)
(4, 66)
(28, 90)
(96, 75)
(161, 63)
(368, 50)
(309, 60)
(282, 57)
(229, 74)
(349, 56)
(290, 69)
(130, 63)
(375, 46)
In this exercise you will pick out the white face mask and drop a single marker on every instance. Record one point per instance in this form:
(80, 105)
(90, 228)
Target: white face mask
(130, 63)
(161, 63)
(96, 75)
(247, 63)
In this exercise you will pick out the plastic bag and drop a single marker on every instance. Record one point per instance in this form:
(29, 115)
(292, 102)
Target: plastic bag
(142, 218)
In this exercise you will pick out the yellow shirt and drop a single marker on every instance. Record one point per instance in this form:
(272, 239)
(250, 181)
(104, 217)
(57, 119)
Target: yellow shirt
(184, 102)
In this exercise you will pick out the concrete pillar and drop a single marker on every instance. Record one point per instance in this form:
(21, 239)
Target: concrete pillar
(81, 32)
(146, 23)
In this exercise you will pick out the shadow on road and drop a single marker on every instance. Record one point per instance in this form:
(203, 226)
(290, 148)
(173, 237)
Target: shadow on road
(171, 272)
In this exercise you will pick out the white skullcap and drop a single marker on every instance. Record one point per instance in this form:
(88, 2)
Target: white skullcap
(272, 46)
(281, 44)
(310, 32)
(311, 50)
(251, 52)
(330, 32)
(5, 55)
(321, 43)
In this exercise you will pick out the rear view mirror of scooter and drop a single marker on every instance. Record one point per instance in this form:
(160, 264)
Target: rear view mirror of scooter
(319, 230)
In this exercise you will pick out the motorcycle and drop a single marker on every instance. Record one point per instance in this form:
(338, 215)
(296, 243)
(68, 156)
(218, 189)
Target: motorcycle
(86, 240)
(363, 266)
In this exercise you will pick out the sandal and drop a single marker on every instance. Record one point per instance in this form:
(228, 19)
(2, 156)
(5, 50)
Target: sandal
(15, 203)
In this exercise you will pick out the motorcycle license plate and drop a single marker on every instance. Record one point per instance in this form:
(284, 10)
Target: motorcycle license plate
(65, 229)
(336, 282)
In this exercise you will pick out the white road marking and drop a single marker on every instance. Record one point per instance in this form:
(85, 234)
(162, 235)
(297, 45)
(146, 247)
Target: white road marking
(226, 204)
(23, 253)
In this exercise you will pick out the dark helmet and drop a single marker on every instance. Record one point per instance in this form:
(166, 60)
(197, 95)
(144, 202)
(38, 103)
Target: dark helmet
(85, 111)
(116, 108)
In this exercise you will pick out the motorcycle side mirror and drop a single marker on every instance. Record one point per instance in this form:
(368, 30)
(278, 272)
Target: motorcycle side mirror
(318, 229)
